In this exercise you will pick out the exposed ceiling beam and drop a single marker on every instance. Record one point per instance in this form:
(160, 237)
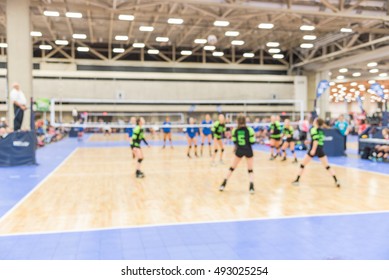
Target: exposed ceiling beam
(58, 49)
(90, 25)
(373, 55)
(341, 5)
(48, 24)
(341, 52)
(110, 31)
(68, 22)
(190, 31)
(92, 50)
(289, 3)
(127, 51)
(202, 11)
(182, 58)
(131, 25)
(329, 6)
(252, 6)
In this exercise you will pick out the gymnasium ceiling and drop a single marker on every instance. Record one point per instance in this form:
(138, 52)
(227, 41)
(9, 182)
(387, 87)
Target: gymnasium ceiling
(367, 21)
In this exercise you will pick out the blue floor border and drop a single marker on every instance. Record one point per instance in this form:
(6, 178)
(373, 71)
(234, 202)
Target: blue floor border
(335, 237)
(17, 182)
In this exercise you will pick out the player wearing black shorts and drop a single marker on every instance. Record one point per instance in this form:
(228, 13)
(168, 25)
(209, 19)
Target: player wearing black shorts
(316, 149)
(288, 141)
(218, 128)
(275, 137)
(243, 138)
(137, 137)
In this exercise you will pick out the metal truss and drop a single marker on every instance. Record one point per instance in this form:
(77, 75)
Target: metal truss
(368, 20)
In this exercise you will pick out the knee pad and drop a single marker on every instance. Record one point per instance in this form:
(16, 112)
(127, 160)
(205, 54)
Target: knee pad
(293, 151)
(232, 169)
(190, 147)
(271, 146)
(216, 151)
(209, 144)
(302, 166)
(195, 146)
(140, 160)
(283, 151)
(222, 150)
(202, 144)
(328, 167)
(251, 171)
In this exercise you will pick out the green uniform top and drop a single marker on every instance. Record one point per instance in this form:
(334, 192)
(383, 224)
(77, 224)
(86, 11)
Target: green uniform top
(218, 129)
(317, 134)
(243, 137)
(138, 136)
(288, 131)
(276, 128)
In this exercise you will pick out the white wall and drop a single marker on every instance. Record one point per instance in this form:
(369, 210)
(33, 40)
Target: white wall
(154, 86)
(301, 91)
(3, 89)
(163, 86)
(159, 90)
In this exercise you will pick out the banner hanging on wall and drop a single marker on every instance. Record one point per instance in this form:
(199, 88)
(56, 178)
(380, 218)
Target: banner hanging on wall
(320, 90)
(378, 90)
(42, 105)
(322, 87)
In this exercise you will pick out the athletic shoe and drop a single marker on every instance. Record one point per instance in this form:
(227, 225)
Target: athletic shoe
(284, 159)
(223, 186)
(295, 160)
(251, 190)
(272, 158)
(221, 161)
(337, 183)
(296, 183)
(189, 155)
(140, 174)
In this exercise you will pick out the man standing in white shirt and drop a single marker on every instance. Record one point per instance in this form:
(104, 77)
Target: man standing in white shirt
(75, 114)
(19, 102)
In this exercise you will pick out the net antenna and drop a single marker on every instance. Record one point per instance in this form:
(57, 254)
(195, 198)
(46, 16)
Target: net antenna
(149, 108)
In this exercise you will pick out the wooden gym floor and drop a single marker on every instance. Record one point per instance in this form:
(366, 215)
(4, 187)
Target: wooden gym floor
(95, 188)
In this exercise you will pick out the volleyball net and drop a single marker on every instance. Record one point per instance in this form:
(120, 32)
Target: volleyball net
(117, 114)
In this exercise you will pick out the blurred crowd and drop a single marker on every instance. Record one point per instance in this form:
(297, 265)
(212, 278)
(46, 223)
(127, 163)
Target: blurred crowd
(47, 133)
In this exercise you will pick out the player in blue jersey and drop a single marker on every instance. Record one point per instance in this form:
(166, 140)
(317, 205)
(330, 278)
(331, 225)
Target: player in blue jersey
(206, 133)
(167, 134)
(257, 129)
(192, 133)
